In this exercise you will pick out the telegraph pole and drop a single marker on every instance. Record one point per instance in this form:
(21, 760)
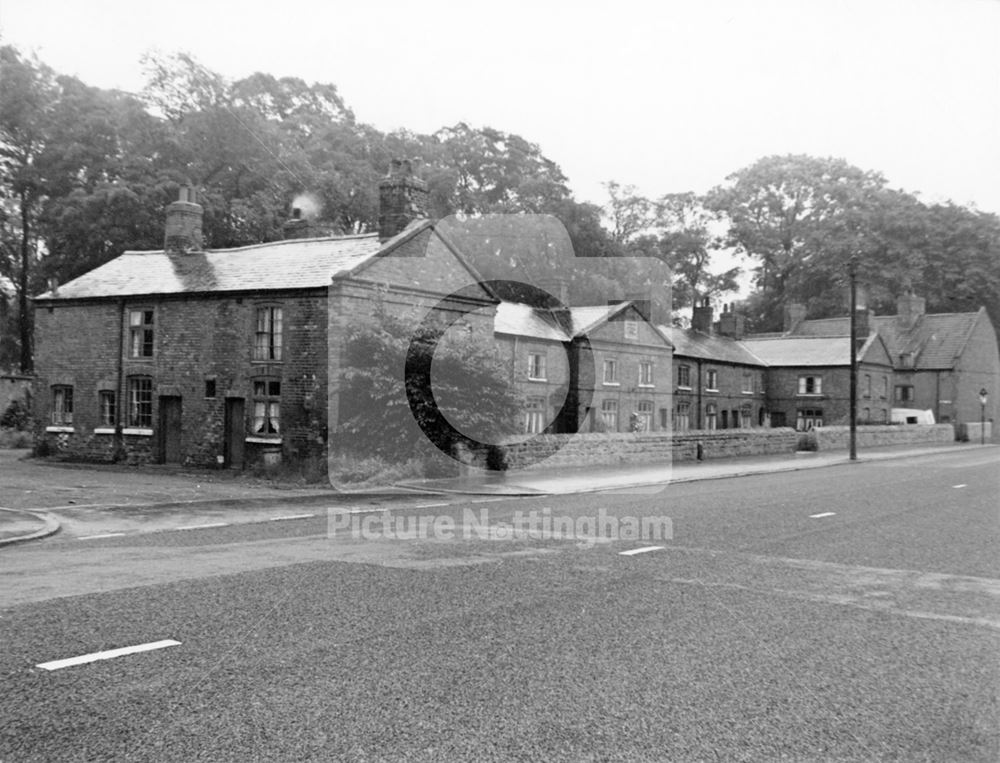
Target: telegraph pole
(852, 269)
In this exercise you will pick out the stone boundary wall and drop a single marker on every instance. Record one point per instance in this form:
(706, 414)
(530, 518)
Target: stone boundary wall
(838, 437)
(625, 449)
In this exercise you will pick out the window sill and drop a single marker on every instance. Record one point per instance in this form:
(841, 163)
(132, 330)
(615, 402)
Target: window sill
(537, 378)
(709, 389)
(104, 430)
(647, 386)
(612, 384)
(814, 395)
(682, 388)
(746, 392)
(140, 431)
(60, 429)
(264, 440)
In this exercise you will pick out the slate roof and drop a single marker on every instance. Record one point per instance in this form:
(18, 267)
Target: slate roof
(538, 323)
(694, 344)
(936, 339)
(292, 264)
(802, 350)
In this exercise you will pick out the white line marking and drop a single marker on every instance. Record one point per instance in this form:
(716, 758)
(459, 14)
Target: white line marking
(357, 511)
(292, 516)
(962, 485)
(202, 527)
(109, 654)
(431, 505)
(102, 535)
(824, 514)
(643, 550)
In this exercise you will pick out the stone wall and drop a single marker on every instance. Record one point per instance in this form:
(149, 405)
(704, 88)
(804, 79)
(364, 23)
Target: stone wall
(836, 438)
(622, 449)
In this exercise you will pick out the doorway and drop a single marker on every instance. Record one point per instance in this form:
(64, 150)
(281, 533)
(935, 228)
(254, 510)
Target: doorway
(235, 426)
(170, 429)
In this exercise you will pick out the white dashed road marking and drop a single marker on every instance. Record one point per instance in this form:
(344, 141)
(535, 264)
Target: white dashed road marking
(430, 505)
(292, 516)
(962, 485)
(202, 527)
(109, 654)
(102, 535)
(824, 514)
(643, 550)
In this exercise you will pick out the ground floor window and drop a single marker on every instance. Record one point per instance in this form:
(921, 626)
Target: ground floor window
(267, 407)
(808, 418)
(534, 415)
(904, 393)
(62, 405)
(682, 417)
(140, 402)
(711, 417)
(664, 418)
(107, 408)
(609, 415)
(643, 417)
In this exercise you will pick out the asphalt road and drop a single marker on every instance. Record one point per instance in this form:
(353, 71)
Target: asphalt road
(848, 613)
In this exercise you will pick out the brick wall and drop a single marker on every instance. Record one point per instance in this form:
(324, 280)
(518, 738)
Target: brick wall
(727, 395)
(834, 401)
(838, 437)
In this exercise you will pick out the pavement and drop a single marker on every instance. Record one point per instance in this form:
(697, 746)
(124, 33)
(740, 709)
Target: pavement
(36, 496)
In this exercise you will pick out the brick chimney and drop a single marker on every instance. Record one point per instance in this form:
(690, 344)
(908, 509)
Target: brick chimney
(183, 225)
(296, 226)
(909, 309)
(701, 317)
(731, 323)
(402, 198)
(864, 323)
(795, 313)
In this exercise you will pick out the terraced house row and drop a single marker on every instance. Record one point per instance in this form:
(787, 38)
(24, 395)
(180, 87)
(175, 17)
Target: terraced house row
(227, 357)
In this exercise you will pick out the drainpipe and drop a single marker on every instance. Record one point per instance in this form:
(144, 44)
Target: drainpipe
(119, 442)
(700, 414)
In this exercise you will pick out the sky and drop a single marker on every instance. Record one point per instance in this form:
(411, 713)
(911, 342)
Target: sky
(668, 96)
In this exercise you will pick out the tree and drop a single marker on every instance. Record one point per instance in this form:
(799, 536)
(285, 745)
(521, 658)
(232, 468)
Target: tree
(629, 213)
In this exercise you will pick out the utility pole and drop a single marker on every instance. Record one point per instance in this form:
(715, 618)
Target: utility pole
(852, 269)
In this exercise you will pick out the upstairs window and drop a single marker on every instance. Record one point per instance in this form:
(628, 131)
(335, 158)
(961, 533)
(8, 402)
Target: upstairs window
(868, 385)
(712, 379)
(611, 372)
(140, 333)
(748, 382)
(885, 387)
(810, 385)
(62, 405)
(267, 341)
(267, 407)
(684, 376)
(645, 373)
(140, 402)
(536, 366)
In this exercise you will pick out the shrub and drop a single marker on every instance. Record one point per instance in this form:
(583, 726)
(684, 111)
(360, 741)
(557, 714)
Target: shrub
(17, 416)
(15, 438)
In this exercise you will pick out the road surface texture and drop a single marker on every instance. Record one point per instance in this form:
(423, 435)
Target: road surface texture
(846, 613)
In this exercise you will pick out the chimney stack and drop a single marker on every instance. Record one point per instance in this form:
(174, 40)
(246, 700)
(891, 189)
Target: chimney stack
(731, 323)
(795, 313)
(296, 226)
(909, 309)
(402, 198)
(183, 225)
(701, 317)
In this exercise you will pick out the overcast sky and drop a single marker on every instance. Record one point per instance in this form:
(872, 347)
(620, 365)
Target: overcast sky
(669, 96)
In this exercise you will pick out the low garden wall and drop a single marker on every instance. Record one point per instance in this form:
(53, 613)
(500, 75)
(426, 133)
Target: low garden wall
(870, 435)
(626, 449)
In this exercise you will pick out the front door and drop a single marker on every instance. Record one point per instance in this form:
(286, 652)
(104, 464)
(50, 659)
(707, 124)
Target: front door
(235, 432)
(170, 430)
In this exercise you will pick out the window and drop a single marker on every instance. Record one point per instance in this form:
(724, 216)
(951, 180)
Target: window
(682, 417)
(140, 333)
(631, 329)
(609, 415)
(866, 415)
(746, 417)
(868, 385)
(725, 419)
(62, 405)
(747, 382)
(810, 385)
(610, 371)
(645, 373)
(711, 416)
(684, 376)
(664, 418)
(534, 416)
(536, 366)
(267, 343)
(107, 407)
(807, 418)
(266, 407)
(884, 419)
(644, 416)
(885, 387)
(140, 402)
(904, 393)
(210, 388)
(712, 379)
